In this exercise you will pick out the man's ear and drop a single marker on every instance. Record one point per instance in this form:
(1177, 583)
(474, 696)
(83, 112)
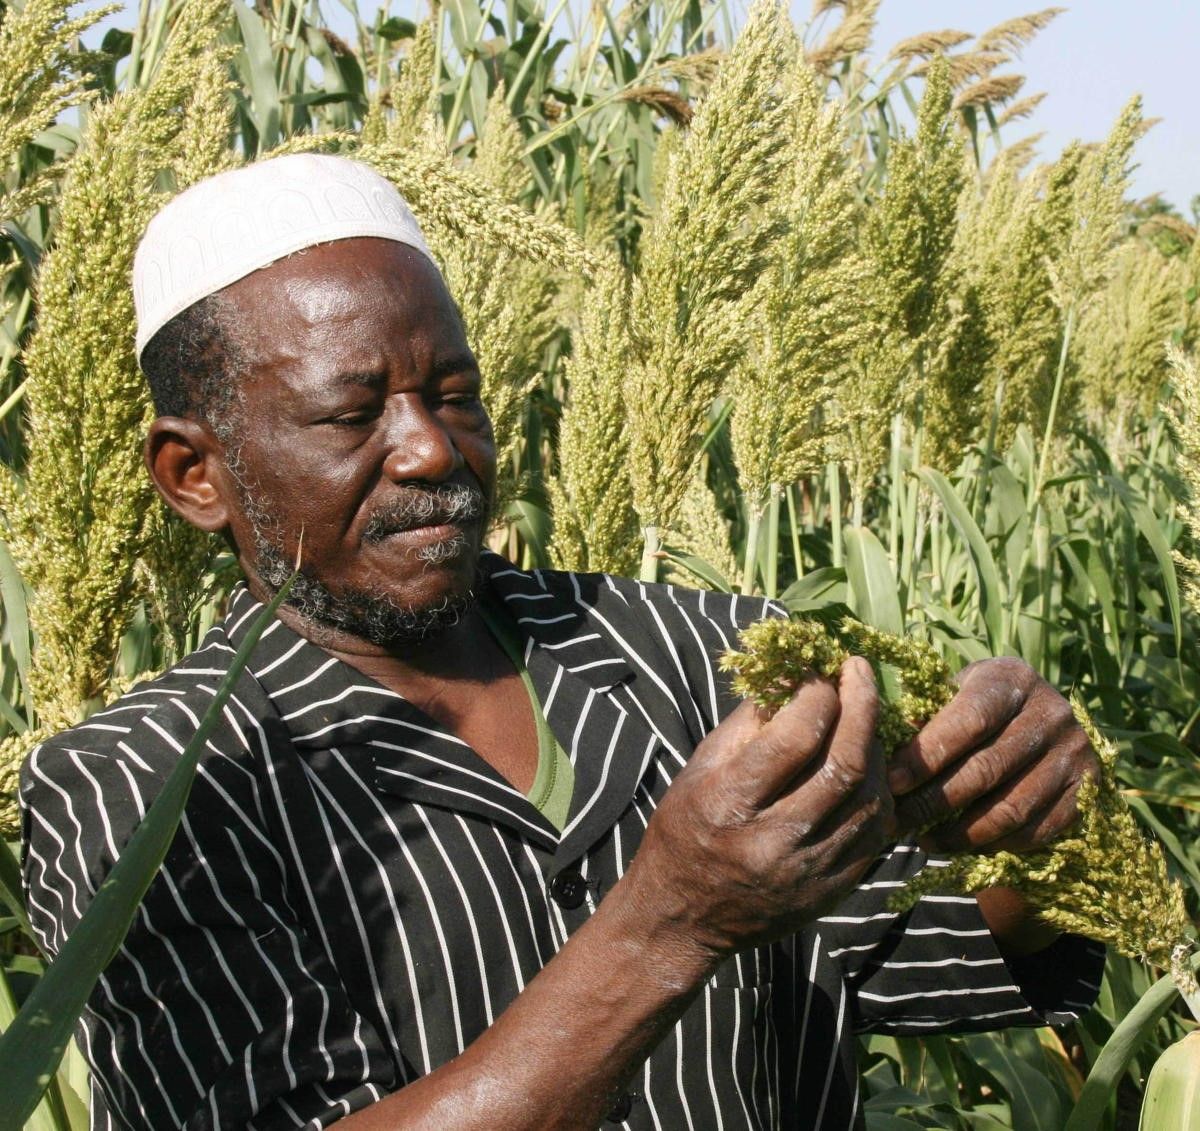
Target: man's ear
(186, 464)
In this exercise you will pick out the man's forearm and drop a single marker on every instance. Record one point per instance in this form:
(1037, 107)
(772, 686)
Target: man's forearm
(1015, 926)
(563, 1051)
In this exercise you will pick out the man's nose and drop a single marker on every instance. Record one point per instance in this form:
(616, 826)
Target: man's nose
(419, 446)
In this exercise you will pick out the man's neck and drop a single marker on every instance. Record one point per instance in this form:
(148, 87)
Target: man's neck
(461, 653)
(461, 678)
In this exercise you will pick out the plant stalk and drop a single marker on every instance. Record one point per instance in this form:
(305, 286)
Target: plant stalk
(794, 524)
(989, 453)
(153, 48)
(650, 547)
(1051, 416)
(750, 550)
(835, 511)
(894, 494)
(1035, 509)
(139, 37)
(913, 529)
(771, 580)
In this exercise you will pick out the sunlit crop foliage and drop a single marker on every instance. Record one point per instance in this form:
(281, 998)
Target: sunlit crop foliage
(784, 312)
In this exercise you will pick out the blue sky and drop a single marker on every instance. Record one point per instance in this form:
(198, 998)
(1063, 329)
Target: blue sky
(1090, 61)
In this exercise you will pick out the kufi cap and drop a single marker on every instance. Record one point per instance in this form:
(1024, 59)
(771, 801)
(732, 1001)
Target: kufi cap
(223, 228)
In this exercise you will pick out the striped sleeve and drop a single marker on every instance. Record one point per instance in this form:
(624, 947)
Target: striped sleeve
(937, 967)
(220, 1010)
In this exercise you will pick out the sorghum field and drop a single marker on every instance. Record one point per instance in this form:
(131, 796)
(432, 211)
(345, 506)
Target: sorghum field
(754, 312)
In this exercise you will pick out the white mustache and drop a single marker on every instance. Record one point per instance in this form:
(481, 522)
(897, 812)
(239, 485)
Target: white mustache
(450, 504)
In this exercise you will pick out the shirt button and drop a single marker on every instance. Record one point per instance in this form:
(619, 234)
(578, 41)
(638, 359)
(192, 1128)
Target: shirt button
(567, 889)
(620, 1110)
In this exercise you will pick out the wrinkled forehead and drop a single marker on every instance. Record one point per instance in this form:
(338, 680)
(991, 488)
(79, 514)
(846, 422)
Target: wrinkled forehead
(356, 305)
(239, 222)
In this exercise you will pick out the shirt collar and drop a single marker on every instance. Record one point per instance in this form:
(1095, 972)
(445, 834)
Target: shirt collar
(324, 701)
(296, 673)
(554, 611)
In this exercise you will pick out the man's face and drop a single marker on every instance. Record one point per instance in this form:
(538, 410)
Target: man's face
(360, 440)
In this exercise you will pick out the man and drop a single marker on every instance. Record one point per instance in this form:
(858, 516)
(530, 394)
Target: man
(474, 847)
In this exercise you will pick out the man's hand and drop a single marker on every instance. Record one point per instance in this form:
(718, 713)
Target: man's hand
(1006, 753)
(771, 821)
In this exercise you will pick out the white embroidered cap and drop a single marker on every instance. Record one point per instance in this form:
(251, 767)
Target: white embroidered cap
(227, 226)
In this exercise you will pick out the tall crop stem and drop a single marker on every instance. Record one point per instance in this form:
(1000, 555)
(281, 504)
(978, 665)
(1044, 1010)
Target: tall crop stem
(750, 559)
(989, 453)
(650, 548)
(914, 529)
(139, 37)
(835, 511)
(794, 524)
(1035, 509)
(1052, 415)
(894, 495)
(771, 580)
(534, 54)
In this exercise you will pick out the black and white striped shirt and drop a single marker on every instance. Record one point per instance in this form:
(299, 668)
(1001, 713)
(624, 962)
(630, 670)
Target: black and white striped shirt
(354, 895)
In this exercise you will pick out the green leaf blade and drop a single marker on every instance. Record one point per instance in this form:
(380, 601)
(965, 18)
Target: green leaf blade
(33, 1045)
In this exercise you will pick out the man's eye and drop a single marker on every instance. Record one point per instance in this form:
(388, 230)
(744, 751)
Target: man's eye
(352, 419)
(460, 399)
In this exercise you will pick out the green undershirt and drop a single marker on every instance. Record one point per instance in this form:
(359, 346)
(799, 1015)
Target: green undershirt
(554, 781)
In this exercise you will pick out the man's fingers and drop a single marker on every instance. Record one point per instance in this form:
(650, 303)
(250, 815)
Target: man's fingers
(1025, 814)
(864, 822)
(854, 734)
(772, 758)
(992, 694)
(964, 782)
(850, 829)
(853, 747)
(858, 834)
(853, 759)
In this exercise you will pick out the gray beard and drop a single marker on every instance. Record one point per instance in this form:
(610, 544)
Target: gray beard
(371, 616)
